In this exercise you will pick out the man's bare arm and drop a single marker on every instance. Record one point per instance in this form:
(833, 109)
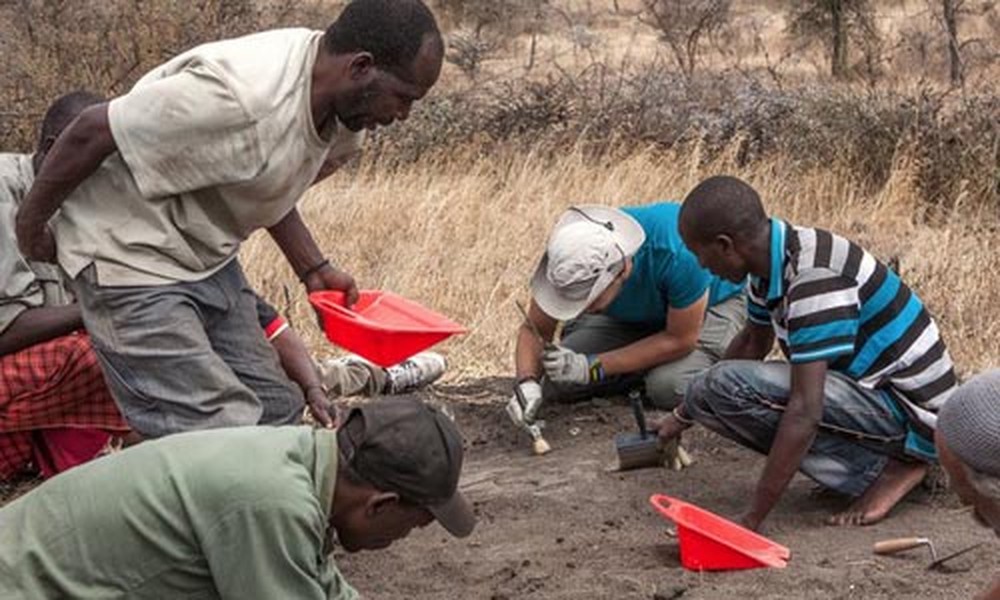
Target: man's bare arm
(296, 242)
(796, 432)
(528, 351)
(38, 325)
(299, 247)
(298, 365)
(753, 342)
(677, 340)
(76, 154)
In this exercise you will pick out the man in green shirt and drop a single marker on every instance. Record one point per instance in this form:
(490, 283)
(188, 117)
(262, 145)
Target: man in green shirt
(236, 513)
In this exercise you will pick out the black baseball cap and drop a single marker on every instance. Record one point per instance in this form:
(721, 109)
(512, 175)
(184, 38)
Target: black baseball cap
(405, 446)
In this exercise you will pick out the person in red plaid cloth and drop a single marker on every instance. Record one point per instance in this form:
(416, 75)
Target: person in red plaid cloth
(55, 410)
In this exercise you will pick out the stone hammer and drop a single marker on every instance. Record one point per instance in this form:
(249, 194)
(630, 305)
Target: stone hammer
(642, 449)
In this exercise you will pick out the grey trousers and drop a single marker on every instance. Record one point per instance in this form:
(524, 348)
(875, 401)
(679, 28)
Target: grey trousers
(187, 356)
(743, 400)
(665, 384)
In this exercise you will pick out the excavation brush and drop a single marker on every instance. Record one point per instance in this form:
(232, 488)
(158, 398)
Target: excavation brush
(538, 444)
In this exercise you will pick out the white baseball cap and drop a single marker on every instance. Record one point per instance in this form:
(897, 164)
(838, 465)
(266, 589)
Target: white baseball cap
(582, 257)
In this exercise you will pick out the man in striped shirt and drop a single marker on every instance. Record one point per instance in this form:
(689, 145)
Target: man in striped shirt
(854, 406)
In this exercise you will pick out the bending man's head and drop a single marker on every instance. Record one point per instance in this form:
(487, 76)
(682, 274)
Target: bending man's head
(59, 115)
(587, 260)
(968, 442)
(393, 51)
(399, 466)
(722, 221)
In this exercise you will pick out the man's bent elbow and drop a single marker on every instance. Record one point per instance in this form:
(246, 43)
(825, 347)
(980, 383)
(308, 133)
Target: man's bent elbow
(688, 345)
(680, 344)
(92, 130)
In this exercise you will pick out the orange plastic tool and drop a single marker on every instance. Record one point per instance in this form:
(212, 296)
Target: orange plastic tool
(382, 327)
(710, 543)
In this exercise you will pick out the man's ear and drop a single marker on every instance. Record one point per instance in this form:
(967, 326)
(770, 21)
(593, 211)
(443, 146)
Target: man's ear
(43, 150)
(725, 243)
(379, 502)
(362, 66)
(47, 144)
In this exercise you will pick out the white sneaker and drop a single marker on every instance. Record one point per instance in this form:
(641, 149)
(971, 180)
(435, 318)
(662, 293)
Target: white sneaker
(415, 372)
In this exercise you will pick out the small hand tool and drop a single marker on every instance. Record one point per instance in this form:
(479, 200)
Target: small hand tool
(538, 443)
(887, 547)
(637, 451)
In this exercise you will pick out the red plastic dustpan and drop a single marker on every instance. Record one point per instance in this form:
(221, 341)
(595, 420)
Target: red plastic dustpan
(382, 327)
(710, 543)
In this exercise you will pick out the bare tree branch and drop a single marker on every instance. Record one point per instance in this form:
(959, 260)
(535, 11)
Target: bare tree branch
(684, 25)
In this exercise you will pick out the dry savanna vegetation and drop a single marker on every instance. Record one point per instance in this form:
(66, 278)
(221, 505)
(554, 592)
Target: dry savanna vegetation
(461, 231)
(876, 119)
(591, 103)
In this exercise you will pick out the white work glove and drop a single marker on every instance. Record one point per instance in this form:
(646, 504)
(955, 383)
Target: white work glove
(563, 365)
(675, 456)
(524, 404)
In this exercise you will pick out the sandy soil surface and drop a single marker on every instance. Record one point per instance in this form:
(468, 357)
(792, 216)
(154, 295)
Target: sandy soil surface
(566, 526)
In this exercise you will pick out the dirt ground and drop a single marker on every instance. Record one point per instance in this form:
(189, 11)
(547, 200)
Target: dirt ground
(566, 526)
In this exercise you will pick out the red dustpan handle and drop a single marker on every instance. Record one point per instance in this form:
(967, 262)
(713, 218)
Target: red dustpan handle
(344, 310)
(664, 505)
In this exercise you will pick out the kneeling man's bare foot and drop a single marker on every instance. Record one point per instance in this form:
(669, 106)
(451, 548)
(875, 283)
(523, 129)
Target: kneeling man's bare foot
(896, 480)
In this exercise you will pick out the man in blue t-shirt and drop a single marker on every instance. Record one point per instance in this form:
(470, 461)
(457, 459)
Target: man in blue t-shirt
(636, 306)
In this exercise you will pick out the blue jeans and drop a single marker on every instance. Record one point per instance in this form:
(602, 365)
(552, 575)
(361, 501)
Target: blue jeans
(187, 356)
(744, 400)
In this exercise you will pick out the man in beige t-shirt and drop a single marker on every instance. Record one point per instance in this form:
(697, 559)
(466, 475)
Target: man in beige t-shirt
(158, 188)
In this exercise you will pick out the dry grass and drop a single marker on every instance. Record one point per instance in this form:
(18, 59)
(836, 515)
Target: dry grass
(460, 232)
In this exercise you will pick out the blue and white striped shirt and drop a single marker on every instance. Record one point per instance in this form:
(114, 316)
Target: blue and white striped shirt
(836, 302)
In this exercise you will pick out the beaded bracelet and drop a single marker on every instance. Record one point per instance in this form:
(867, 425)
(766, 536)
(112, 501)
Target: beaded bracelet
(682, 420)
(596, 370)
(313, 269)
